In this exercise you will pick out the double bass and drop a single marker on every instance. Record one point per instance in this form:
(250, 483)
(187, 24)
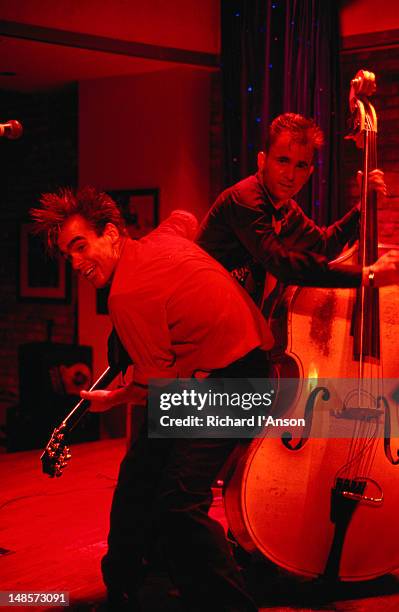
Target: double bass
(325, 504)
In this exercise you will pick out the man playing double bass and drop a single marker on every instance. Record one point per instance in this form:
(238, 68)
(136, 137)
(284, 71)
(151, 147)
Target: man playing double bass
(256, 226)
(300, 504)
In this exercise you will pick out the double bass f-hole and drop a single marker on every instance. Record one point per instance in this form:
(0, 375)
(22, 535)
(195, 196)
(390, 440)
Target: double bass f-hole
(287, 438)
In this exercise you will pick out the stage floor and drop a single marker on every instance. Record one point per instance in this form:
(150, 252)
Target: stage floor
(53, 535)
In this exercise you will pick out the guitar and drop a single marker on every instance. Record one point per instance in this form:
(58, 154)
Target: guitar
(57, 454)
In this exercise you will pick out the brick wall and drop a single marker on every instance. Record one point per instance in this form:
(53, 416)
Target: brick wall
(44, 158)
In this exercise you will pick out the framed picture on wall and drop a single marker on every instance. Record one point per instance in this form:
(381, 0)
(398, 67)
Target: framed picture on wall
(41, 278)
(140, 209)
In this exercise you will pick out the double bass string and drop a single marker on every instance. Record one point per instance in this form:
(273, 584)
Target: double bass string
(366, 429)
(364, 442)
(375, 374)
(355, 451)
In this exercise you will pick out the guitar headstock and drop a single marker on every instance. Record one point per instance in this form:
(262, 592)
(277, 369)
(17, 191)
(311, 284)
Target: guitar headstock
(56, 454)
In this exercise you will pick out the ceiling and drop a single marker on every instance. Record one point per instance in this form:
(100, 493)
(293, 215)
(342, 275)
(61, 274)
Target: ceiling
(46, 44)
(37, 66)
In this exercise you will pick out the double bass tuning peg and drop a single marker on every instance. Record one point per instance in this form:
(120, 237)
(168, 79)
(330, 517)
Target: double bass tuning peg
(363, 84)
(355, 81)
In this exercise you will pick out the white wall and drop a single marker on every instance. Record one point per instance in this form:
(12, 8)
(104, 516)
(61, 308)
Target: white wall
(143, 131)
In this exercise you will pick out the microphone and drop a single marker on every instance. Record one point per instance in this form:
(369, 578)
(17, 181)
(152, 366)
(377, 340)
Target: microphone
(12, 129)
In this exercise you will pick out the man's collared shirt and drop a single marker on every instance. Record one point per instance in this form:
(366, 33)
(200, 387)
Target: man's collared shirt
(177, 311)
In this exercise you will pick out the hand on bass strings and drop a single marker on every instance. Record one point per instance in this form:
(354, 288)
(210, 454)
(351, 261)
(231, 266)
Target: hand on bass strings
(385, 271)
(376, 182)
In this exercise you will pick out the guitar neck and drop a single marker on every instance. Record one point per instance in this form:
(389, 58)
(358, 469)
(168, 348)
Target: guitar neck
(80, 409)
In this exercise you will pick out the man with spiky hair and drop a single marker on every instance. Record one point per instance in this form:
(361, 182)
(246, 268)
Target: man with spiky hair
(177, 313)
(256, 226)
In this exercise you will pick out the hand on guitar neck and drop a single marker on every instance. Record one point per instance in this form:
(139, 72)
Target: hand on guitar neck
(103, 400)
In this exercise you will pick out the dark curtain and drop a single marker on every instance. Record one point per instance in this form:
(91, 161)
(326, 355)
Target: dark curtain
(277, 57)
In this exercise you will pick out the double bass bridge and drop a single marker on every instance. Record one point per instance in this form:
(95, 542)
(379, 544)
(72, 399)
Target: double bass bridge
(354, 489)
(358, 413)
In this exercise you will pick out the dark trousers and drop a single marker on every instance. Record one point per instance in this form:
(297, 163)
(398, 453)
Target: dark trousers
(164, 492)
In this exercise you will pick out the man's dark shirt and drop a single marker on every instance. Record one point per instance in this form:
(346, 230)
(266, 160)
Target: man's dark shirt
(244, 231)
